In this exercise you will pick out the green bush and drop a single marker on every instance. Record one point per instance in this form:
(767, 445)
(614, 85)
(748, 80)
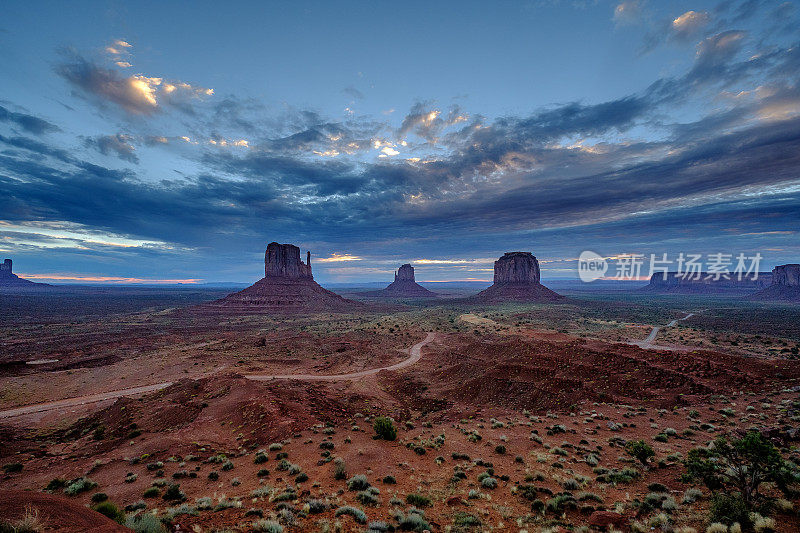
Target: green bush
(81, 484)
(267, 526)
(639, 450)
(384, 428)
(110, 510)
(151, 492)
(358, 482)
(145, 523)
(728, 509)
(174, 493)
(357, 514)
(98, 497)
(418, 500)
(12, 468)
(742, 465)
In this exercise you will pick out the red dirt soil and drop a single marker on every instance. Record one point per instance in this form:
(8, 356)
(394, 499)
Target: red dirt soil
(56, 512)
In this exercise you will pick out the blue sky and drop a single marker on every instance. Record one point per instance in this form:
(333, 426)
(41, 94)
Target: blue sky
(173, 141)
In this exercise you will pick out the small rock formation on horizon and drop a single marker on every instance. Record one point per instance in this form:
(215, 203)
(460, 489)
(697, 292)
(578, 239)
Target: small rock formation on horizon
(9, 279)
(403, 286)
(705, 283)
(517, 278)
(287, 285)
(785, 285)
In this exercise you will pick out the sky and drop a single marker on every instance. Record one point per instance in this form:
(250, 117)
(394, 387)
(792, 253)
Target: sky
(146, 142)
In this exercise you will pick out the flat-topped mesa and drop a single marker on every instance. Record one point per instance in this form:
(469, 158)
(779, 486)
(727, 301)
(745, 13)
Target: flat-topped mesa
(283, 261)
(707, 283)
(785, 285)
(518, 268)
(405, 272)
(517, 278)
(788, 275)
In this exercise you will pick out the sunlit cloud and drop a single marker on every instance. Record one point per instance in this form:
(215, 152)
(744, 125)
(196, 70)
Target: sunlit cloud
(107, 279)
(338, 258)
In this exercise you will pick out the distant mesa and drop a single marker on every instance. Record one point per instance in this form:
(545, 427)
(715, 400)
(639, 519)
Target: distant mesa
(11, 280)
(288, 285)
(785, 286)
(517, 279)
(403, 286)
(706, 283)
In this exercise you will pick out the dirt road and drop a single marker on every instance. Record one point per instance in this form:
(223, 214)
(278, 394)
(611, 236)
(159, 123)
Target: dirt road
(81, 400)
(648, 341)
(415, 352)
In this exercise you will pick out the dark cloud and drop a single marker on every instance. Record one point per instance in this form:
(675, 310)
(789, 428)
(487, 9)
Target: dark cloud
(119, 145)
(29, 123)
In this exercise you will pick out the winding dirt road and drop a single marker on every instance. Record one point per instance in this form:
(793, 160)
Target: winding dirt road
(647, 342)
(415, 352)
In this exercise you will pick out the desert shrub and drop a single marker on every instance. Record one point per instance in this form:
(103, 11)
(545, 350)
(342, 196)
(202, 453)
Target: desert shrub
(413, 521)
(98, 497)
(326, 445)
(729, 509)
(639, 450)
(267, 526)
(316, 506)
(357, 514)
(500, 449)
(339, 469)
(204, 504)
(12, 468)
(389, 480)
(669, 504)
(135, 506)
(571, 484)
(81, 484)
(741, 465)
(661, 437)
(110, 510)
(144, 523)
(56, 484)
(263, 472)
(589, 496)
(657, 487)
(275, 447)
(560, 503)
(181, 510)
(367, 498)
(287, 495)
(418, 500)
(357, 482)
(692, 495)
(151, 492)
(260, 457)
(489, 483)
(173, 493)
(462, 520)
(384, 428)
(261, 492)
(377, 526)
(227, 465)
(213, 475)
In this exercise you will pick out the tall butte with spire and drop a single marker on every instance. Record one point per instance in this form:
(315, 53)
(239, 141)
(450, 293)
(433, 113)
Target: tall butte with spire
(287, 286)
(11, 280)
(517, 279)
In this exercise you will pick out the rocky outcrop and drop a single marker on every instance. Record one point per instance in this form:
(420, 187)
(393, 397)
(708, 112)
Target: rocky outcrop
(287, 286)
(11, 280)
(787, 275)
(403, 286)
(785, 285)
(283, 261)
(517, 278)
(517, 267)
(705, 283)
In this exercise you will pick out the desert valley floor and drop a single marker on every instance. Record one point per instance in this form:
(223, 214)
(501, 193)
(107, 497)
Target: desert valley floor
(508, 418)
